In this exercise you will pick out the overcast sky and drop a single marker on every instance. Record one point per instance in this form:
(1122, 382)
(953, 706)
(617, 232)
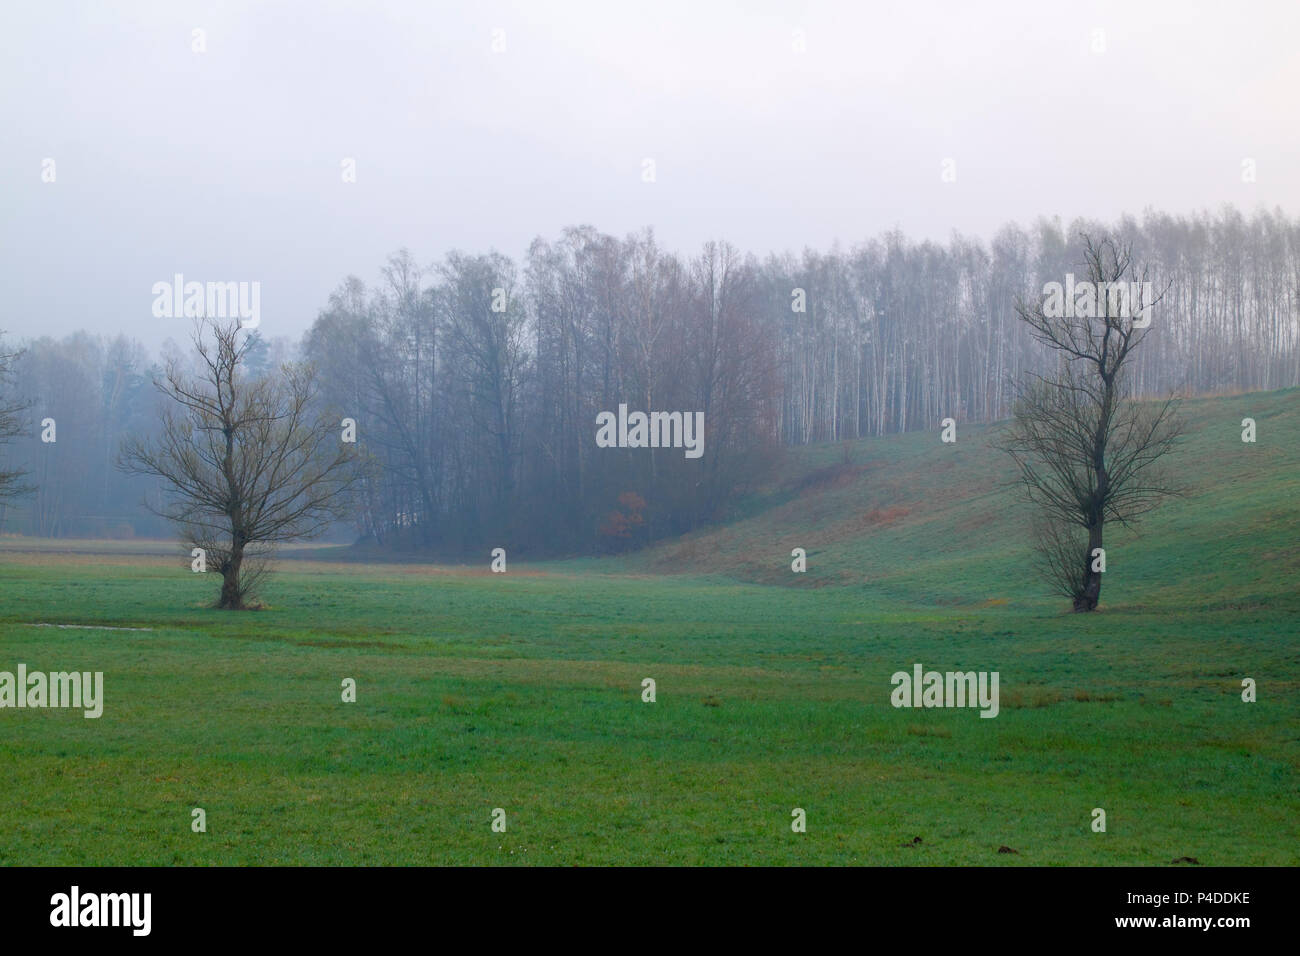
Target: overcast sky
(226, 164)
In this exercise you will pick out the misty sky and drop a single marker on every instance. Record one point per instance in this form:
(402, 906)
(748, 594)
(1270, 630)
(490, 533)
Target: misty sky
(225, 165)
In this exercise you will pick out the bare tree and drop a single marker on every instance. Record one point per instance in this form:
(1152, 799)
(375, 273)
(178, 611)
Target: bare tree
(1087, 452)
(249, 461)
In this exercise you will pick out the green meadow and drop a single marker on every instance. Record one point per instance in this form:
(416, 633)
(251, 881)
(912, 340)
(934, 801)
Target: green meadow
(523, 691)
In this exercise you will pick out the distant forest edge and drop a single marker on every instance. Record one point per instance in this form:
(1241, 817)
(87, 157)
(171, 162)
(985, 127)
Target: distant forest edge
(475, 383)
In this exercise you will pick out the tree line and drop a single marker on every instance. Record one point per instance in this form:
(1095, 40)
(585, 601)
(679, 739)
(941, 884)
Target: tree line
(475, 382)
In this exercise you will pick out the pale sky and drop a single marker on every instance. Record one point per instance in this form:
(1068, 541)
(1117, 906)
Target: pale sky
(225, 165)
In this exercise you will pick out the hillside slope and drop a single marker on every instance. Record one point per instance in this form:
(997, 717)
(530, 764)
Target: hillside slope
(916, 520)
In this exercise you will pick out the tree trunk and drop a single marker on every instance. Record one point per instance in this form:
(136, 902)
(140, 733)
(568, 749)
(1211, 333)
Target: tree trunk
(232, 598)
(1090, 595)
(1088, 598)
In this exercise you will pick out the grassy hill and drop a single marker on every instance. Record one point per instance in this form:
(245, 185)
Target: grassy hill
(911, 519)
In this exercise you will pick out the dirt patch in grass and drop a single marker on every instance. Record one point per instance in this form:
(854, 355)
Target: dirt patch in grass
(925, 730)
(1032, 698)
(839, 475)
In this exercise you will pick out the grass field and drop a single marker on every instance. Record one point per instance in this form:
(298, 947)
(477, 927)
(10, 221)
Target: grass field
(523, 690)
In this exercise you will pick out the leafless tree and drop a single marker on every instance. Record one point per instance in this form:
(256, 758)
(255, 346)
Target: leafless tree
(1087, 452)
(249, 462)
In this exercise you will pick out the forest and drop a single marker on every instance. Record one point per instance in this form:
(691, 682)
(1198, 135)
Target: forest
(476, 382)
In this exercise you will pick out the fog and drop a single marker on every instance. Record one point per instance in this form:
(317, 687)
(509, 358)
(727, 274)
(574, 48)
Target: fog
(773, 125)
